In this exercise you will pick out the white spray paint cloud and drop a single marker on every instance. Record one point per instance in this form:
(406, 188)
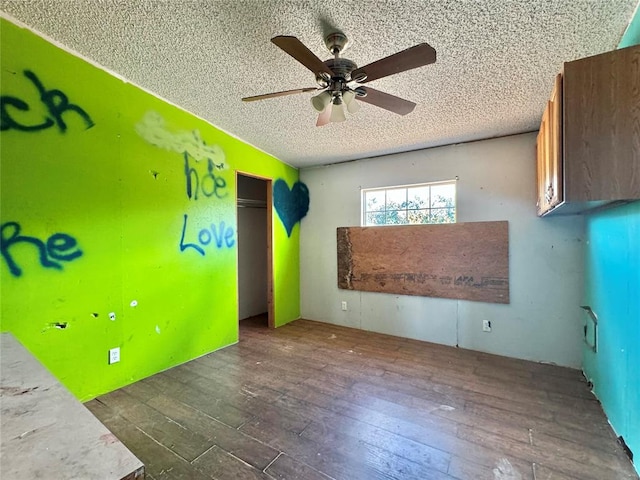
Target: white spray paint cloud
(153, 129)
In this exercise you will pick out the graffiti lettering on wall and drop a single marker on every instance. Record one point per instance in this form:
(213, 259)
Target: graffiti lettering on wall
(203, 165)
(208, 184)
(152, 128)
(58, 248)
(292, 204)
(55, 101)
(219, 236)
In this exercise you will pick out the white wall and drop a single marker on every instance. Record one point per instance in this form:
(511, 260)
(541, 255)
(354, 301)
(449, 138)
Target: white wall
(496, 182)
(252, 249)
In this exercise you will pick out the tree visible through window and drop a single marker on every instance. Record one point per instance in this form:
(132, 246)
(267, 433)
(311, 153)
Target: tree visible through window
(410, 204)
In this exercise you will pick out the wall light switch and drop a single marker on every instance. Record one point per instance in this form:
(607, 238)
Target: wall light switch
(344, 306)
(114, 355)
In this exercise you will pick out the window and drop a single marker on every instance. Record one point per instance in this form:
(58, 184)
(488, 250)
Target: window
(410, 204)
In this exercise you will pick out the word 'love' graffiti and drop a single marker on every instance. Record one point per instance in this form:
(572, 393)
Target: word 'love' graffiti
(221, 235)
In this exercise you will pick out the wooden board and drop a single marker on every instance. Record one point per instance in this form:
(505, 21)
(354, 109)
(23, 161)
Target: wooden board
(46, 433)
(466, 261)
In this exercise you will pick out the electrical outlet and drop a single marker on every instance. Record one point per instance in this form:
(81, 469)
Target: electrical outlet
(114, 355)
(486, 325)
(344, 306)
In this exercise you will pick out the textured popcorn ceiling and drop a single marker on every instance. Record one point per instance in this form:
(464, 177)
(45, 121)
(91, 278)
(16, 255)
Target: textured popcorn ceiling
(495, 68)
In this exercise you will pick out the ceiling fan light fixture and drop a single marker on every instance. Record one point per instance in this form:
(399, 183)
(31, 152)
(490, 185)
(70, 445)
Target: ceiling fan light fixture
(321, 101)
(349, 100)
(337, 111)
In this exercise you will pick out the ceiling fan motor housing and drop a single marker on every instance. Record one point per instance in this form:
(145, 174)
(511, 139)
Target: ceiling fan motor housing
(341, 68)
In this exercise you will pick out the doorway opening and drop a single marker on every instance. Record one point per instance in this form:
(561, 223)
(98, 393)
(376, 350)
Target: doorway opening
(255, 255)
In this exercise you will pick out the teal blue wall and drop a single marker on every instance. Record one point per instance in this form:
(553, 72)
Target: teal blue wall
(632, 34)
(612, 290)
(612, 272)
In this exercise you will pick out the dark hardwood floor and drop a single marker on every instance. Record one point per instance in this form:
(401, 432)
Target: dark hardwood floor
(317, 401)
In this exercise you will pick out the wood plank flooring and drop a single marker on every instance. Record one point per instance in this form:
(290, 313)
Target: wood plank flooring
(317, 401)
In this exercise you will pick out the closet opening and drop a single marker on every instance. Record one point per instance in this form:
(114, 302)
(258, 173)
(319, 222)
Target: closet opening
(255, 256)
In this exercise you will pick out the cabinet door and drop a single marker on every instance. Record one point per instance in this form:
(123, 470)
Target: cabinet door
(549, 153)
(540, 174)
(554, 180)
(601, 126)
(542, 161)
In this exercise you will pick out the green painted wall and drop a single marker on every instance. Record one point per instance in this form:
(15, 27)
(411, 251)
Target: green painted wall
(97, 218)
(612, 289)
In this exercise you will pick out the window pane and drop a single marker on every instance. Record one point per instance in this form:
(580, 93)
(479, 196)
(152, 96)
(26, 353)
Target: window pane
(377, 218)
(374, 201)
(443, 195)
(418, 216)
(396, 217)
(418, 197)
(417, 204)
(396, 199)
(443, 215)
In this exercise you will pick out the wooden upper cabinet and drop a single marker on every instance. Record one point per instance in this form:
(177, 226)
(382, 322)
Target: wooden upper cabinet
(596, 137)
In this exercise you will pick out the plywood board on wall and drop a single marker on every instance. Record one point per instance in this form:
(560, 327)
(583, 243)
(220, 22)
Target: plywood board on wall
(466, 261)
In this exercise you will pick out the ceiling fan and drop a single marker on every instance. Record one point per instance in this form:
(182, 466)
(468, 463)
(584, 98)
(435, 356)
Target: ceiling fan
(338, 77)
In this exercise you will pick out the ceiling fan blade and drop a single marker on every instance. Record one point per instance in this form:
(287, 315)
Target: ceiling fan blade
(387, 101)
(414, 57)
(279, 94)
(301, 53)
(324, 117)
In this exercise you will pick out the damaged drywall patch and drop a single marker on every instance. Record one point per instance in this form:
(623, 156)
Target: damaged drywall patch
(57, 325)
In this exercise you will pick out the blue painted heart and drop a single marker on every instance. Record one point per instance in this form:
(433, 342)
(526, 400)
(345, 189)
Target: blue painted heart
(291, 204)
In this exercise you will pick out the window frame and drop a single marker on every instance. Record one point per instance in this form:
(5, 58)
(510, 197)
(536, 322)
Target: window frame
(364, 191)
